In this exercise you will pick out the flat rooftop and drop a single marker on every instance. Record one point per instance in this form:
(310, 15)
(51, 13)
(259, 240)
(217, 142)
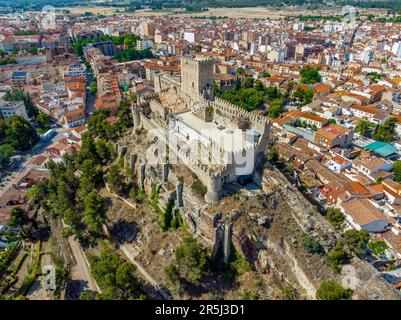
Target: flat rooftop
(228, 138)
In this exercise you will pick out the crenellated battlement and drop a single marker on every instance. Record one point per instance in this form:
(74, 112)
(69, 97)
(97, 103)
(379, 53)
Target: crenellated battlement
(197, 57)
(231, 110)
(184, 116)
(204, 171)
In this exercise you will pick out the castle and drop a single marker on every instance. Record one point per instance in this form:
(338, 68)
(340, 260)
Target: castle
(218, 141)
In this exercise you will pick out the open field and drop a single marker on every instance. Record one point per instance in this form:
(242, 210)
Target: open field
(92, 9)
(251, 12)
(255, 12)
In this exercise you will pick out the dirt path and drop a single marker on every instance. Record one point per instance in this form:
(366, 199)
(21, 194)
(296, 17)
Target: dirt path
(126, 249)
(81, 273)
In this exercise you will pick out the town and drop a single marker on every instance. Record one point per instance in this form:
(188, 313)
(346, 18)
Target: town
(194, 156)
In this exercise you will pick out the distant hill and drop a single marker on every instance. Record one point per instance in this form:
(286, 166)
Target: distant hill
(393, 5)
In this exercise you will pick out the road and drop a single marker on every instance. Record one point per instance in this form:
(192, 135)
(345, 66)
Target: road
(8, 176)
(90, 102)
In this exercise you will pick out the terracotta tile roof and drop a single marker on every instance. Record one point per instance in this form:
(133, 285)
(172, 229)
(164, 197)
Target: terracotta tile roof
(321, 87)
(393, 240)
(363, 211)
(392, 187)
(340, 160)
(313, 117)
(366, 109)
(376, 88)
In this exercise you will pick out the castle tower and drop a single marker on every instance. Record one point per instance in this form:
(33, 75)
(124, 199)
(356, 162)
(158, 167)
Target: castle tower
(213, 190)
(196, 75)
(136, 118)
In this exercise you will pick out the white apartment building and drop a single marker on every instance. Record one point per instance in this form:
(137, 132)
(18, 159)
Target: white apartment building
(75, 70)
(13, 108)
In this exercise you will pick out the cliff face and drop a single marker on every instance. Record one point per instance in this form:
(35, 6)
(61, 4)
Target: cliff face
(267, 226)
(309, 270)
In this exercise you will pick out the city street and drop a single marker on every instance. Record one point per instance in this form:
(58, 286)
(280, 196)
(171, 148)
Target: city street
(7, 177)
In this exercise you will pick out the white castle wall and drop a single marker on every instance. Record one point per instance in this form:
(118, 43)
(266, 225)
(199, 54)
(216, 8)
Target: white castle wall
(195, 155)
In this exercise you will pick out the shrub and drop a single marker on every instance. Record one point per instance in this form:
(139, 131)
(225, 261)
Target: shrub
(335, 217)
(377, 247)
(331, 290)
(356, 240)
(337, 257)
(190, 262)
(290, 293)
(311, 244)
(198, 187)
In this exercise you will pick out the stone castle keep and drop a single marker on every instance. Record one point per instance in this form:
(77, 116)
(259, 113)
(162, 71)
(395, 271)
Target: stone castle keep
(217, 141)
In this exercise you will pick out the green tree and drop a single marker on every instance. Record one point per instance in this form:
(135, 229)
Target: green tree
(335, 217)
(310, 75)
(167, 215)
(19, 133)
(33, 50)
(115, 179)
(97, 123)
(125, 277)
(94, 213)
(88, 149)
(397, 171)
(6, 152)
(303, 96)
(190, 261)
(133, 97)
(337, 257)
(246, 98)
(259, 85)
(275, 108)
(364, 128)
(248, 82)
(311, 244)
(43, 121)
(19, 218)
(93, 87)
(332, 121)
(375, 77)
(115, 277)
(271, 93)
(39, 192)
(91, 172)
(331, 290)
(356, 240)
(105, 150)
(386, 131)
(124, 116)
(198, 187)
(240, 72)
(198, 48)
(75, 225)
